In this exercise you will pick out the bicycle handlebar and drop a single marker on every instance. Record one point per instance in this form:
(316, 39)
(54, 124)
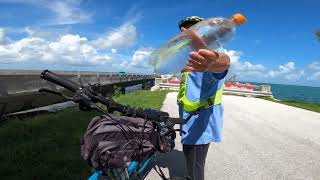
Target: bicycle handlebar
(154, 115)
(56, 79)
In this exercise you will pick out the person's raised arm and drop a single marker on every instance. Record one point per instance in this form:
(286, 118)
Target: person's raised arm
(204, 59)
(207, 60)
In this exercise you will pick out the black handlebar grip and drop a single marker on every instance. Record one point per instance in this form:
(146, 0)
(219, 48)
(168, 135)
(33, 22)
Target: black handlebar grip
(56, 79)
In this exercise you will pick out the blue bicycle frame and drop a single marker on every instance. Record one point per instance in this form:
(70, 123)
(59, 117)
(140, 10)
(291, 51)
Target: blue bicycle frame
(134, 169)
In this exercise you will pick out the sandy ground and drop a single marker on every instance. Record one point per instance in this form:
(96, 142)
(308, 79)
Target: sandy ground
(261, 140)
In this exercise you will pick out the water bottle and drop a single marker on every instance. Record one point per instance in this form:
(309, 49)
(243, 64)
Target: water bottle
(171, 57)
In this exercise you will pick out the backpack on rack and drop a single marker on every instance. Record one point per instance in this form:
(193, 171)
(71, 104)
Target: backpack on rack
(114, 141)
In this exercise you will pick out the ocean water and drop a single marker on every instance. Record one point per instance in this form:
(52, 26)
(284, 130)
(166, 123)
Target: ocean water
(279, 91)
(294, 92)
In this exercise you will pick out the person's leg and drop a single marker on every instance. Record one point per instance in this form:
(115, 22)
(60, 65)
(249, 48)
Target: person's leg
(195, 156)
(201, 152)
(189, 155)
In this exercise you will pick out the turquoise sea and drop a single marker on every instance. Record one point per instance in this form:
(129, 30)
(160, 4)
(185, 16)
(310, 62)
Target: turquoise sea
(294, 92)
(281, 92)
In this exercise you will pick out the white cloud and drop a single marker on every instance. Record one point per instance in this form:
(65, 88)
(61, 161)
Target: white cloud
(123, 37)
(46, 33)
(29, 31)
(64, 11)
(58, 46)
(51, 47)
(3, 38)
(314, 77)
(314, 66)
(73, 49)
(234, 55)
(68, 12)
(282, 70)
(247, 66)
(244, 69)
(239, 66)
(133, 15)
(69, 49)
(295, 76)
(22, 50)
(287, 67)
(139, 59)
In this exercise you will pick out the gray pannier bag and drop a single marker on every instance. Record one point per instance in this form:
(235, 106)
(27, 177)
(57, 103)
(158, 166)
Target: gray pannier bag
(114, 141)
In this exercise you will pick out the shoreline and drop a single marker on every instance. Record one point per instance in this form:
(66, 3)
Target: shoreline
(315, 107)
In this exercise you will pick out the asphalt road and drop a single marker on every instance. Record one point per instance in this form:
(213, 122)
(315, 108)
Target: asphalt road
(261, 140)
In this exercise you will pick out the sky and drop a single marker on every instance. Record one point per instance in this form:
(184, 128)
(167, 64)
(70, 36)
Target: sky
(276, 45)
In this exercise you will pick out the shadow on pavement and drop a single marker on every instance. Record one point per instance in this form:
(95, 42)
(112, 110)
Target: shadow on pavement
(175, 163)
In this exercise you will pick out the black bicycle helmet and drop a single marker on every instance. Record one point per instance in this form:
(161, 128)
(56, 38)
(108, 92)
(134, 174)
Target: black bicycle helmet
(191, 19)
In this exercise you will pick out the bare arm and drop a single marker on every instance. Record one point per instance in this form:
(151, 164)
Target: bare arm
(207, 60)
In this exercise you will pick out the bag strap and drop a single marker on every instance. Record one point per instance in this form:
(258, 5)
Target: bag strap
(194, 113)
(188, 118)
(160, 173)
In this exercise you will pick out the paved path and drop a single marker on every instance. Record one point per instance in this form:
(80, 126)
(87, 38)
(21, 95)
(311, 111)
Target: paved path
(261, 140)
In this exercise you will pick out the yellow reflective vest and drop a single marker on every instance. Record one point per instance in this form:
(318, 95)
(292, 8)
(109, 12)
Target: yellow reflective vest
(190, 106)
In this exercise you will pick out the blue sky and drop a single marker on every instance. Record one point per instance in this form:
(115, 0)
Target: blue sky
(277, 45)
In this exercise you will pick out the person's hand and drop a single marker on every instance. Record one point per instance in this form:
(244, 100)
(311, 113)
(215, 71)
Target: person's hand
(197, 41)
(201, 61)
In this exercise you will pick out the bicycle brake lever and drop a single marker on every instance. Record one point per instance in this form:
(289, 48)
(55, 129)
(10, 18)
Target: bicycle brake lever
(85, 103)
(95, 88)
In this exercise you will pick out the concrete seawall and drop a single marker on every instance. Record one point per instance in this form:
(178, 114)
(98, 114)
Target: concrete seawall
(18, 89)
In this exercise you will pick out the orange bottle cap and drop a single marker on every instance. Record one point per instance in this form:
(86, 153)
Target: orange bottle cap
(239, 19)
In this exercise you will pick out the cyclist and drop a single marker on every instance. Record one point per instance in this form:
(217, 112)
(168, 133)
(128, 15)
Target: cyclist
(200, 98)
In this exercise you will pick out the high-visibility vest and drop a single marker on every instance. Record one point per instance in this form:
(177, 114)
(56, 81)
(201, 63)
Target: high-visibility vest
(190, 106)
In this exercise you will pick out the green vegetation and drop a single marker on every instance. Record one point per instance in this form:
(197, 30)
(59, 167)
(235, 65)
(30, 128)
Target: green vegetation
(48, 146)
(308, 106)
(44, 147)
(117, 91)
(143, 99)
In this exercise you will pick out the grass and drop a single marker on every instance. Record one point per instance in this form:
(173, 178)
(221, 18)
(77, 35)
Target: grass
(48, 146)
(308, 106)
(143, 99)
